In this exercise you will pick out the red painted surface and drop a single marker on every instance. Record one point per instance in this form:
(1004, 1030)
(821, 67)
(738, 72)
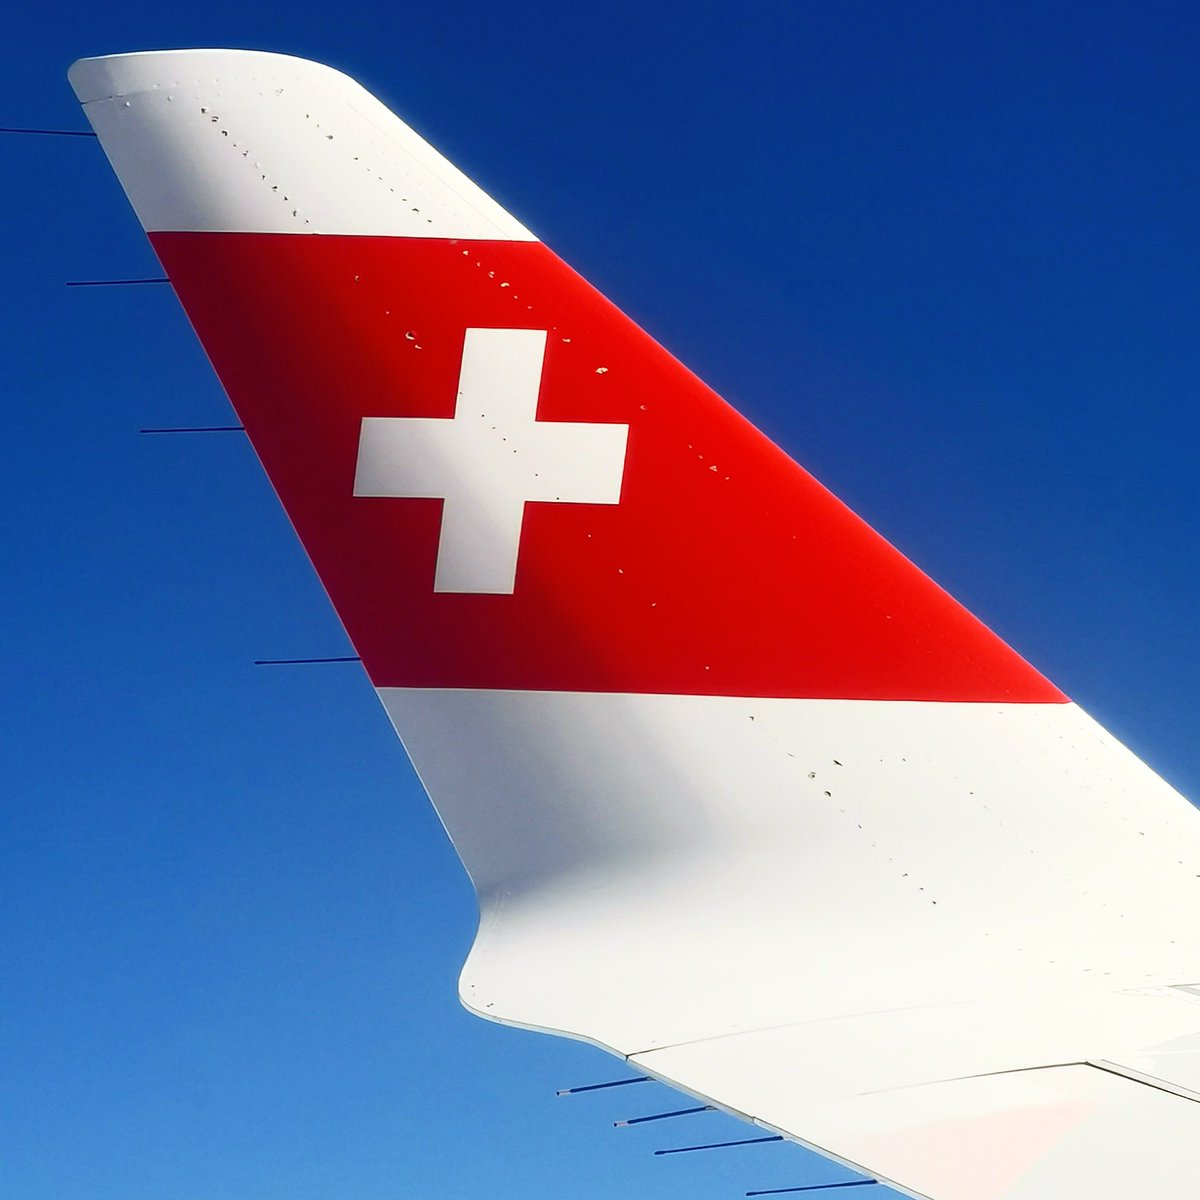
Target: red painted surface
(725, 569)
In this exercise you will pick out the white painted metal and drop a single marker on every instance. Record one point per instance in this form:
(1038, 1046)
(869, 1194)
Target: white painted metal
(822, 914)
(491, 458)
(660, 869)
(1066, 1133)
(242, 141)
(965, 1102)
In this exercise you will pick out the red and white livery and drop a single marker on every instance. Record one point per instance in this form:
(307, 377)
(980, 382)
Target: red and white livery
(747, 799)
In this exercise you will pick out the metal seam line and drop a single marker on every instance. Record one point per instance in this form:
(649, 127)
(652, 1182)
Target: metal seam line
(51, 132)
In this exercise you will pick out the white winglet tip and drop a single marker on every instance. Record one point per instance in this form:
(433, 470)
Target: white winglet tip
(106, 76)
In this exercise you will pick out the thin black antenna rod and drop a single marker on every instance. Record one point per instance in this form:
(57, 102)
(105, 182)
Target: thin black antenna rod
(290, 662)
(51, 132)
(197, 429)
(113, 282)
(817, 1187)
(679, 1112)
(596, 1087)
(721, 1145)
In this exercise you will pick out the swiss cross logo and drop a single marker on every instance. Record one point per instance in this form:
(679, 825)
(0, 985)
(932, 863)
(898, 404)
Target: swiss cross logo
(490, 459)
(694, 581)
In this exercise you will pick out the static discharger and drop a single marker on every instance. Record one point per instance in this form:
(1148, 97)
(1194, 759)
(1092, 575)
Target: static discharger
(722, 1145)
(114, 282)
(295, 662)
(817, 1187)
(197, 429)
(596, 1087)
(679, 1112)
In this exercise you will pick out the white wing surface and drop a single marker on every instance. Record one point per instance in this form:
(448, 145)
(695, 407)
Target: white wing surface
(746, 799)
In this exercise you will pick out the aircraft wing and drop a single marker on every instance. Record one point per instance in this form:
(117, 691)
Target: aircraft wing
(745, 797)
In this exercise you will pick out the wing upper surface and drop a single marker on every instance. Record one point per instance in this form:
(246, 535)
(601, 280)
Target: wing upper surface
(1001, 1101)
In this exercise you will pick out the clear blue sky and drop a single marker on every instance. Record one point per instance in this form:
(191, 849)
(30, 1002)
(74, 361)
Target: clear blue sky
(945, 254)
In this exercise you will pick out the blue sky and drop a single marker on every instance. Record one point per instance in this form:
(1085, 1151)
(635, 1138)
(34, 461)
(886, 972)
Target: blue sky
(944, 254)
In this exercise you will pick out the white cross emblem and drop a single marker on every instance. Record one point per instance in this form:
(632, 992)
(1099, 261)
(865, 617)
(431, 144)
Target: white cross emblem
(490, 459)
